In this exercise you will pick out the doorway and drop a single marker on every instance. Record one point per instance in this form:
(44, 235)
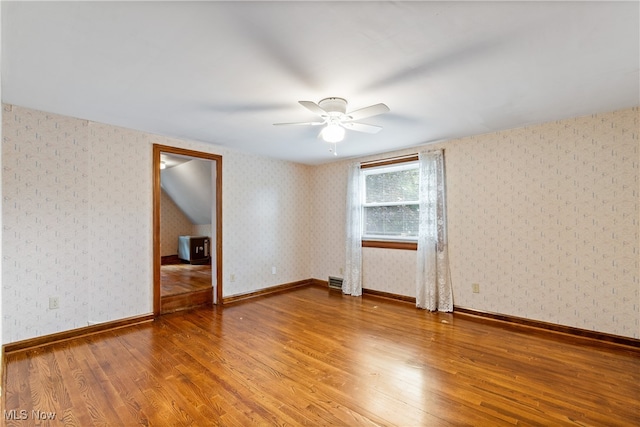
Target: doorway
(191, 270)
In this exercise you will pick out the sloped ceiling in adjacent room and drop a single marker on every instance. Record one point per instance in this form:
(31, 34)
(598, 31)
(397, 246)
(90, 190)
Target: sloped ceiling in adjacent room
(190, 185)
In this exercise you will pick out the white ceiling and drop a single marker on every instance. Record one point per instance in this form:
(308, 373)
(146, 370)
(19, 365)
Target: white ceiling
(224, 72)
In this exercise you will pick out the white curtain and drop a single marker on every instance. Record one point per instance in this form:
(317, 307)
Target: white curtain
(433, 284)
(352, 283)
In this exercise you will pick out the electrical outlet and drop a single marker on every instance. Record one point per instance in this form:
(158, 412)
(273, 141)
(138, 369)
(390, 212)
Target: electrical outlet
(476, 288)
(232, 277)
(273, 270)
(54, 303)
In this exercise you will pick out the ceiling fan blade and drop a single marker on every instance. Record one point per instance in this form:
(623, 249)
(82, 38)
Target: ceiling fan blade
(361, 127)
(313, 107)
(372, 110)
(300, 123)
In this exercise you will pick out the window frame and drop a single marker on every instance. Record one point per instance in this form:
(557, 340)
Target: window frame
(393, 242)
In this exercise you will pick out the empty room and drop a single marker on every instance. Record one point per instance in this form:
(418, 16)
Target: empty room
(375, 213)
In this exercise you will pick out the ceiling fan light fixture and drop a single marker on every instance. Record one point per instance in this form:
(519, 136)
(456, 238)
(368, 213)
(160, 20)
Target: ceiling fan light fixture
(334, 107)
(333, 112)
(333, 133)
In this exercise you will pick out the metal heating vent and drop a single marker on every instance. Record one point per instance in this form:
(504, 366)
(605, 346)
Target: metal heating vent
(335, 282)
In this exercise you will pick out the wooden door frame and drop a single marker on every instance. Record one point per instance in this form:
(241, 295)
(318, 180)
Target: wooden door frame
(157, 150)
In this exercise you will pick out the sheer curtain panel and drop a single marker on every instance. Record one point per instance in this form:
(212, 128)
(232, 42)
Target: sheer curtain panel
(352, 283)
(433, 284)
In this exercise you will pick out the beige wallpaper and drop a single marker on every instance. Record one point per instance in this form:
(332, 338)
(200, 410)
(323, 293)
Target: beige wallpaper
(329, 190)
(544, 218)
(45, 223)
(392, 271)
(118, 250)
(266, 223)
(173, 223)
(202, 230)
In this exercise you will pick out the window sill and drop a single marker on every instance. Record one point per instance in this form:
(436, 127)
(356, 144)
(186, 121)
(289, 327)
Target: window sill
(386, 244)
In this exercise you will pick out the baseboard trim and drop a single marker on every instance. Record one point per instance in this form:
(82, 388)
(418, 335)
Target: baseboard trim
(547, 326)
(388, 295)
(543, 326)
(267, 291)
(320, 283)
(74, 333)
(170, 259)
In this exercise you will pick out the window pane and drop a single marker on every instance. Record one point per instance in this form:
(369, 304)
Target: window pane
(392, 220)
(398, 186)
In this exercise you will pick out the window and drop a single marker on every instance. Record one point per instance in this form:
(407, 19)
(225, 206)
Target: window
(390, 202)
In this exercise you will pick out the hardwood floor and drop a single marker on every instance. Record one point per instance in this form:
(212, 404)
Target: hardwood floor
(314, 357)
(180, 278)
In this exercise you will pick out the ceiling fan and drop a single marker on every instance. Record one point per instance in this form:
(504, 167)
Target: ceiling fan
(333, 112)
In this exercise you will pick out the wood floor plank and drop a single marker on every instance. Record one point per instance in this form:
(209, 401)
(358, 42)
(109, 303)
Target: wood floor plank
(106, 357)
(96, 410)
(315, 357)
(180, 278)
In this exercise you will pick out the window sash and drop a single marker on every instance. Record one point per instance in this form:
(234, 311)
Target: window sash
(376, 204)
(383, 169)
(400, 229)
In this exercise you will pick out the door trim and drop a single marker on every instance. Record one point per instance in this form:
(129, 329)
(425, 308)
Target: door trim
(157, 149)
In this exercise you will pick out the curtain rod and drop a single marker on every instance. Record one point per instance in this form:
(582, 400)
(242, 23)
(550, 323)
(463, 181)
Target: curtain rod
(395, 159)
(389, 159)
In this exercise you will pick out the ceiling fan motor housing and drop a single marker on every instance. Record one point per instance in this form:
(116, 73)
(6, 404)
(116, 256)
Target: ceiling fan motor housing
(333, 111)
(334, 106)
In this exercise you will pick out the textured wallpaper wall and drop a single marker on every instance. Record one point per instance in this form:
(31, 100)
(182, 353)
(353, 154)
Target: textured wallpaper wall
(329, 189)
(77, 221)
(173, 223)
(392, 271)
(46, 237)
(267, 223)
(544, 218)
(119, 230)
(202, 230)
